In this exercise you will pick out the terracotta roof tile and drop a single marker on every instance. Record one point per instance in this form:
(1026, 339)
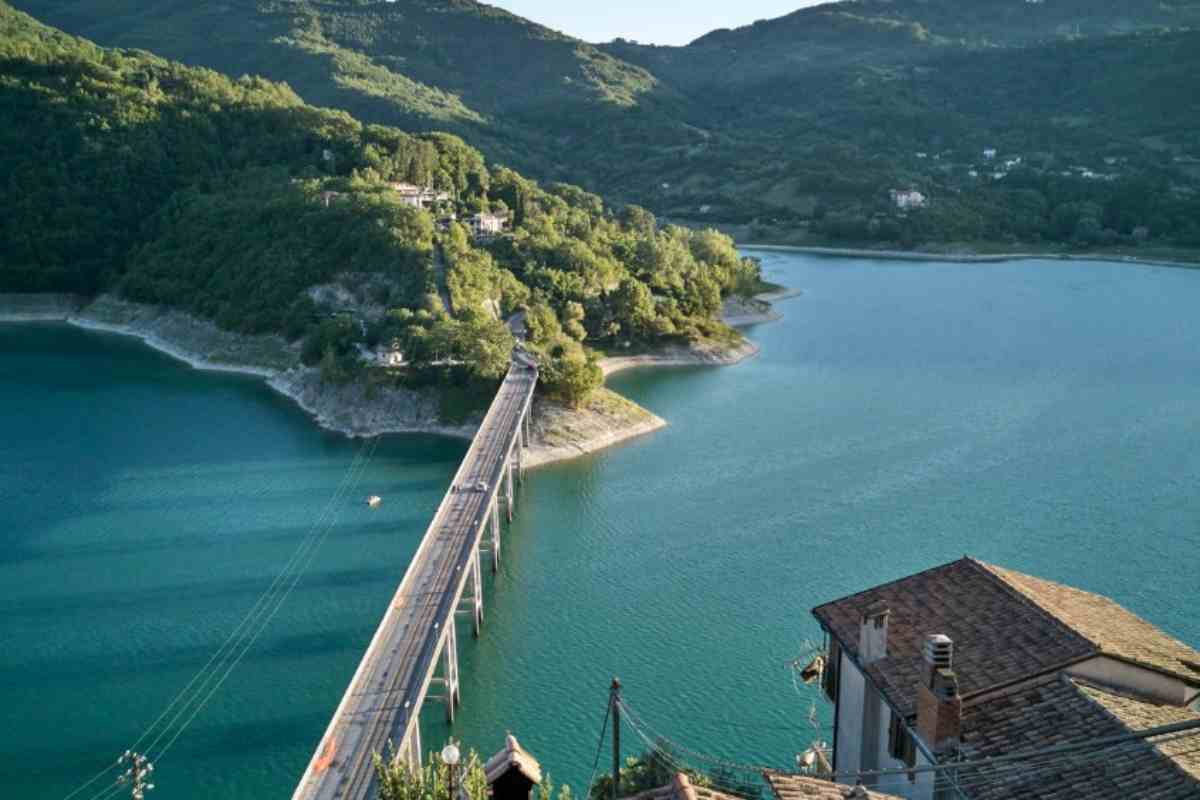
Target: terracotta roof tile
(1112, 629)
(1053, 710)
(1141, 714)
(998, 637)
(681, 788)
(801, 787)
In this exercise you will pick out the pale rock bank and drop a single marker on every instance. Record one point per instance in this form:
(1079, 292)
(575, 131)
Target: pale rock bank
(363, 408)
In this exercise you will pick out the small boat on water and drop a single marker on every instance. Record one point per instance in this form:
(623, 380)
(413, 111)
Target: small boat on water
(374, 501)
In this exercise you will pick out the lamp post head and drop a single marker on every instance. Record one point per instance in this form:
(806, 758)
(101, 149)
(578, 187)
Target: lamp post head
(450, 754)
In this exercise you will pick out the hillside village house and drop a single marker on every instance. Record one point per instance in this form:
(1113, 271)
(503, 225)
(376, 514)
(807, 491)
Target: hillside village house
(908, 198)
(969, 661)
(418, 196)
(487, 224)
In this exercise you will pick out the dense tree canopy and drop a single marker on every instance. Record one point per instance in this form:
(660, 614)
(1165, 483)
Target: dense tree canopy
(794, 128)
(237, 202)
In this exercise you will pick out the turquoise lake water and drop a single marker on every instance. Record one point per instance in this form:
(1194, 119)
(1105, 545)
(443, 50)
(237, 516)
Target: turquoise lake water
(1041, 415)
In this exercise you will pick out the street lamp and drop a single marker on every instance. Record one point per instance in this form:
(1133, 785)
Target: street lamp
(450, 756)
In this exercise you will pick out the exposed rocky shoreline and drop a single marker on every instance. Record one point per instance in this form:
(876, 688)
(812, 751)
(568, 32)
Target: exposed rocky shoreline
(361, 408)
(969, 257)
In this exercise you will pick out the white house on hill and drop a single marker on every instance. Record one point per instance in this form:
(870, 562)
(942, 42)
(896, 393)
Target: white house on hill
(908, 198)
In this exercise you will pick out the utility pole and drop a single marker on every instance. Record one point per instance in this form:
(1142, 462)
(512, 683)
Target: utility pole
(614, 701)
(136, 774)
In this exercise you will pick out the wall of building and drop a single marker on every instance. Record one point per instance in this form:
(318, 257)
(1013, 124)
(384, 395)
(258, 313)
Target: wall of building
(855, 739)
(1122, 675)
(851, 691)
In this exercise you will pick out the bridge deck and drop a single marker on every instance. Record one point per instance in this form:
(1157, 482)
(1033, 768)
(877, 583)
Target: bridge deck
(385, 695)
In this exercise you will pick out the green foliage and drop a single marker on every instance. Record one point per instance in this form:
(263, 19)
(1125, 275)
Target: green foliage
(236, 201)
(650, 770)
(795, 127)
(243, 251)
(396, 781)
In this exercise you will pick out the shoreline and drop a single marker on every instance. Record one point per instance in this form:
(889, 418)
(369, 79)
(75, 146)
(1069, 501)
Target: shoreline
(969, 258)
(357, 410)
(166, 348)
(682, 357)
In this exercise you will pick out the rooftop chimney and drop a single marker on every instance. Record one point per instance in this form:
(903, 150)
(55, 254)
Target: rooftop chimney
(939, 654)
(872, 635)
(939, 708)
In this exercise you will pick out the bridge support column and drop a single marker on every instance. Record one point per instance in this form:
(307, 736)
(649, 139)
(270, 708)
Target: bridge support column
(477, 594)
(508, 488)
(449, 677)
(412, 753)
(495, 539)
(522, 443)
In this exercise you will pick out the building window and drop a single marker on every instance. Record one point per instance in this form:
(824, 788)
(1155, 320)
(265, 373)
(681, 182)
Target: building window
(900, 742)
(829, 678)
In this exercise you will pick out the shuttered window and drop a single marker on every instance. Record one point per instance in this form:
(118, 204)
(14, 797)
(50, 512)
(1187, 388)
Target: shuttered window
(829, 678)
(900, 742)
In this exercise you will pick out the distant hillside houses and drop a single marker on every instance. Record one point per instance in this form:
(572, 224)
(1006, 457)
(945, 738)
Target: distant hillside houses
(418, 196)
(486, 224)
(905, 199)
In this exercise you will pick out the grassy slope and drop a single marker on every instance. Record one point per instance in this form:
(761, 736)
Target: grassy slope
(823, 107)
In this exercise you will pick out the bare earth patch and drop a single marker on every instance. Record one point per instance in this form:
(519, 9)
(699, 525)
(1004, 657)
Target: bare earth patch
(561, 433)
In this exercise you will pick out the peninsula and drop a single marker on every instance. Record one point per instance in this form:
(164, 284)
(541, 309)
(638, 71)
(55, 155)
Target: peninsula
(379, 278)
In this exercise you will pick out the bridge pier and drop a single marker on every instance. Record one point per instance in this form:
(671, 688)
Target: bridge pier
(412, 752)
(495, 538)
(522, 443)
(449, 677)
(476, 594)
(508, 489)
(413, 656)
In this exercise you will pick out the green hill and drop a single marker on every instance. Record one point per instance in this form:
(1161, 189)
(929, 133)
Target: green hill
(233, 199)
(793, 128)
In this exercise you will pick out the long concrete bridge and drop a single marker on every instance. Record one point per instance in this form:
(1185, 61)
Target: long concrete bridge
(416, 646)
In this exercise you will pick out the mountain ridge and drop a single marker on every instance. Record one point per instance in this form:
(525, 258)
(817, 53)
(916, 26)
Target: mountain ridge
(777, 124)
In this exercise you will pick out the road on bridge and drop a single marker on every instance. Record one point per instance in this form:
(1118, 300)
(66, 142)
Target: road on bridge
(384, 698)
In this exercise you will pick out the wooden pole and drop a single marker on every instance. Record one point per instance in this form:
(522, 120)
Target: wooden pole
(614, 699)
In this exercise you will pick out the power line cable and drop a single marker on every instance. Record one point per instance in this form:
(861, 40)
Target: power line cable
(265, 622)
(983, 775)
(1077, 754)
(599, 746)
(1025, 755)
(720, 762)
(256, 613)
(339, 491)
(302, 555)
(88, 783)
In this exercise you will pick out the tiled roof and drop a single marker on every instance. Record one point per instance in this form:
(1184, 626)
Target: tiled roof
(1006, 627)
(998, 637)
(513, 755)
(1139, 714)
(1053, 710)
(1112, 629)
(681, 788)
(801, 787)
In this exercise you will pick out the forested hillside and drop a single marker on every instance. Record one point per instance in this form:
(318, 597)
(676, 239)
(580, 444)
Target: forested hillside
(236, 201)
(793, 129)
